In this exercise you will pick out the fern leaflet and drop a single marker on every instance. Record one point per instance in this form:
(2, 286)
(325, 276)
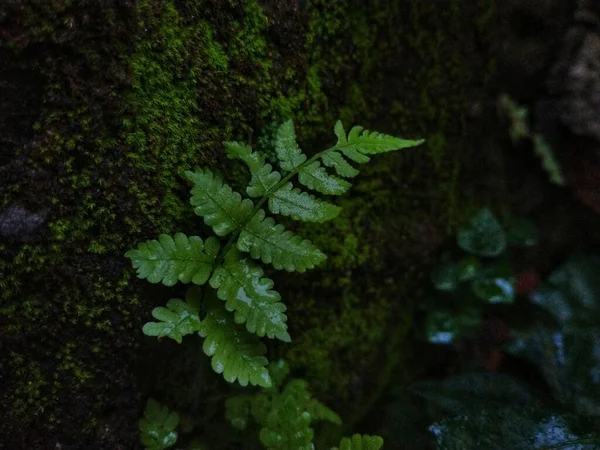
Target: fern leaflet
(287, 424)
(264, 239)
(178, 319)
(315, 177)
(319, 411)
(263, 177)
(241, 284)
(237, 411)
(289, 154)
(370, 142)
(235, 353)
(158, 426)
(222, 208)
(169, 260)
(290, 201)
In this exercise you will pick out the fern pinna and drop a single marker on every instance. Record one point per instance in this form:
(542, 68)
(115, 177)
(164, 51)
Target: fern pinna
(242, 305)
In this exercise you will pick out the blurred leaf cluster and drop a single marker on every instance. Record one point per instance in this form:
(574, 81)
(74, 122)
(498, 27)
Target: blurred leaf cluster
(548, 397)
(478, 273)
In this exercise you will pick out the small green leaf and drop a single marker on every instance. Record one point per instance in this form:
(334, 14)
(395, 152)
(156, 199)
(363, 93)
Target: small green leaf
(287, 425)
(158, 426)
(241, 284)
(169, 260)
(359, 442)
(279, 370)
(264, 239)
(468, 268)
(334, 159)
(483, 235)
(222, 208)
(301, 205)
(315, 177)
(237, 411)
(319, 411)
(178, 319)
(289, 154)
(371, 142)
(263, 177)
(235, 353)
(495, 284)
(445, 327)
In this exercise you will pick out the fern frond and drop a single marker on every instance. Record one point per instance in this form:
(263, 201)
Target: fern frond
(178, 319)
(319, 411)
(235, 353)
(169, 259)
(158, 426)
(222, 208)
(264, 239)
(358, 442)
(289, 154)
(314, 176)
(287, 424)
(263, 177)
(239, 281)
(299, 205)
(369, 142)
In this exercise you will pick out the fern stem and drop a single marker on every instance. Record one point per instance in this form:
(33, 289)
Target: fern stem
(222, 253)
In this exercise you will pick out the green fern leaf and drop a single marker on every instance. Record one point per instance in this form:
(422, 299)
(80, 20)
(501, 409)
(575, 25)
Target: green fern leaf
(289, 154)
(287, 424)
(263, 177)
(279, 370)
(349, 151)
(334, 159)
(319, 411)
(370, 142)
(314, 176)
(264, 239)
(301, 205)
(235, 353)
(358, 442)
(158, 426)
(178, 319)
(241, 284)
(169, 260)
(237, 411)
(222, 208)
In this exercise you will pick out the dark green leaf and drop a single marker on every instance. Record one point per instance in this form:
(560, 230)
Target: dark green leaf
(445, 327)
(495, 284)
(482, 235)
(158, 426)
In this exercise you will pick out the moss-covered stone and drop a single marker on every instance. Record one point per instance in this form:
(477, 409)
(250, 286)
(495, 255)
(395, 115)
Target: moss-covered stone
(108, 102)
